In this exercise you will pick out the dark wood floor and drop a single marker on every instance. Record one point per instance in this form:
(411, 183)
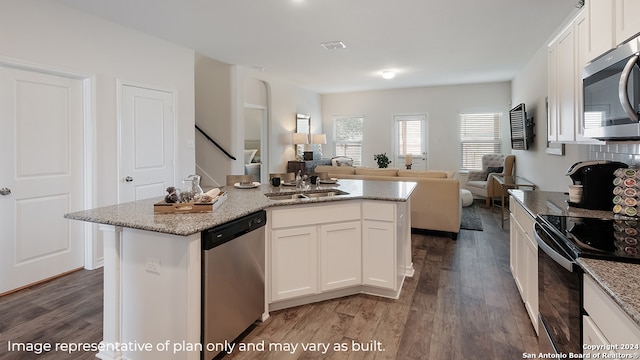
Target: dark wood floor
(462, 303)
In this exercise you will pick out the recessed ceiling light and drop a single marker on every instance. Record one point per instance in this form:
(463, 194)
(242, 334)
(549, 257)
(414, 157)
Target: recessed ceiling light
(388, 74)
(333, 45)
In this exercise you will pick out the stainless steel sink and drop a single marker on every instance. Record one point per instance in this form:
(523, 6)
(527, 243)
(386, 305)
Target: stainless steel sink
(313, 194)
(286, 197)
(326, 193)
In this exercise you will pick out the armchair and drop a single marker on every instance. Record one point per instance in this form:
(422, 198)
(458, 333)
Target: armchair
(481, 182)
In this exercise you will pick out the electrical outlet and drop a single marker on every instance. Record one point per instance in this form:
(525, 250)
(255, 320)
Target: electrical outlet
(152, 265)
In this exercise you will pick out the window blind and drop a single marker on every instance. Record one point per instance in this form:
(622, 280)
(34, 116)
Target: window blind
(479, 135)
(348, 135)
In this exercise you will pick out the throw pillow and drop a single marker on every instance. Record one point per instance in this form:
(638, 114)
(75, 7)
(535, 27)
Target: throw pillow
(494, 169)
(342, 161)
(249, 154)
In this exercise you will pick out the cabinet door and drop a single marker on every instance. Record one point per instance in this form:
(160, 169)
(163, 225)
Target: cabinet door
(591, 335)
(521, 266)
(531, 282)
(341, 255)
(566, 78)
(294, 262)
(601, 19)
(379, 254)
(582, 39)
(513, 244)
(627, 19)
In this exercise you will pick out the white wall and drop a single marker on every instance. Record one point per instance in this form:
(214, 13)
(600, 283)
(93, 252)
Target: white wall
(214, 114)
(285, 100)
(442, 104)
(53, 36)
(221, 92)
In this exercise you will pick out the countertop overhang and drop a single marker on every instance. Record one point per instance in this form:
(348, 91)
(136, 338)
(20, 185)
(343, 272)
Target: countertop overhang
(240, 202)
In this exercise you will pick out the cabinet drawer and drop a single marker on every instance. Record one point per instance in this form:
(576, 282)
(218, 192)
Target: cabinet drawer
(614, 324)
(523, 217)
(314, 214)
(379, 210)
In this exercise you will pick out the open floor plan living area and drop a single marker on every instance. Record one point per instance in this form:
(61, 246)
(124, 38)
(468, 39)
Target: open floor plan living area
(319, 179)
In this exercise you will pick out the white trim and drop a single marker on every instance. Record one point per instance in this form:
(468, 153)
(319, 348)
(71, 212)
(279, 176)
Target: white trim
(89, 144)
(264, 139)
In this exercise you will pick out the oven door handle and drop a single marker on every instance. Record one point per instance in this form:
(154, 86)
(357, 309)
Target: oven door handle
(557, 257)
(622, 89)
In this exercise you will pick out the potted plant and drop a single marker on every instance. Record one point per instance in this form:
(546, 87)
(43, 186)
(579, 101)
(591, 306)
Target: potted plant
(382, 160)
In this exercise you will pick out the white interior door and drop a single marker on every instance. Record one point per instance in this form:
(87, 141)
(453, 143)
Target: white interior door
(41, 176)
(147, 143)
(411, 141)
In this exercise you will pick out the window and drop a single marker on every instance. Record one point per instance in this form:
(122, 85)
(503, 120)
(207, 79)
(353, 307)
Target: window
(409, 134)
(479, 135)
(347, 136)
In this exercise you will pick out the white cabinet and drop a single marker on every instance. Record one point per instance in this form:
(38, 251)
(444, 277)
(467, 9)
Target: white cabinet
(606, 323)
(562, 77)
(341, 255)
(379, 244)
(294, 264)
(627, 19)
(611, 23)
(523, 256)
(601, 35)
(322, 250)
(582, 39)
(567, 55)
(378, 248)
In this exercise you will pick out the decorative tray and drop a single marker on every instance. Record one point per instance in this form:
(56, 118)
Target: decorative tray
(164, 207)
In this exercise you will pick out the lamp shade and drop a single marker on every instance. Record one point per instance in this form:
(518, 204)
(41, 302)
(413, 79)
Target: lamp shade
(319, 138)
(299, 138)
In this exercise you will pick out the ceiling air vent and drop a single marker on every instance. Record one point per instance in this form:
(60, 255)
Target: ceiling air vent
(334, 45)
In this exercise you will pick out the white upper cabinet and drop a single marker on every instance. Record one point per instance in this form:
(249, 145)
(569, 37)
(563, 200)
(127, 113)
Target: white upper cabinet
(601, 35)
(627, 19)
(562, 87)
(611, 23)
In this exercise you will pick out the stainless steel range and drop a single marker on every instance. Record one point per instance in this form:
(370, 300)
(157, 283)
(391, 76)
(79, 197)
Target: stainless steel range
(562, 240)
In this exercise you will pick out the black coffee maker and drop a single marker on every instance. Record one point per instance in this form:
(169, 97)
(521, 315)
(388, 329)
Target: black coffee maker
(596, 178)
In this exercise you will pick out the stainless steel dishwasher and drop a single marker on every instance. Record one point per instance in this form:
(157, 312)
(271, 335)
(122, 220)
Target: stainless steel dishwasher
(232, 280)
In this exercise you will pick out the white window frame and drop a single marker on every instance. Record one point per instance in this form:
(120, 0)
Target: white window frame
(481, 130)
(352, 142)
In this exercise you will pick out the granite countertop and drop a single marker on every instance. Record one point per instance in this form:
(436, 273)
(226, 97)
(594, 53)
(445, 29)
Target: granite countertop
(240, 202)
(621, 281)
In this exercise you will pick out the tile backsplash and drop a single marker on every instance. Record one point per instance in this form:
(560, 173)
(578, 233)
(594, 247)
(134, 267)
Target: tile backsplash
(626, 153)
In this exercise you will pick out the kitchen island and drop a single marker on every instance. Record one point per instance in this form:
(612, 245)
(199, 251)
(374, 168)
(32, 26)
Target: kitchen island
(152, 262)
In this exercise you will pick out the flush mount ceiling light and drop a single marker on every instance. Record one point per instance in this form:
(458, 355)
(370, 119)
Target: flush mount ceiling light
(333, 45)
(387, 74)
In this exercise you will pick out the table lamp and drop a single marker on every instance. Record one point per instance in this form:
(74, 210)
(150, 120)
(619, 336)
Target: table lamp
(318, 139)
(299, 139)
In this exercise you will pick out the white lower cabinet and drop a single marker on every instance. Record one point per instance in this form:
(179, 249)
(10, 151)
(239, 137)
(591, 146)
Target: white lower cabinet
(523, 256)
(379, 250)
(341, 255)
(319, 251)
(606, 324)
(294, 262)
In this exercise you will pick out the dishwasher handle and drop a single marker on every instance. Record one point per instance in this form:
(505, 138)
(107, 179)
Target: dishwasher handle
(221, 234)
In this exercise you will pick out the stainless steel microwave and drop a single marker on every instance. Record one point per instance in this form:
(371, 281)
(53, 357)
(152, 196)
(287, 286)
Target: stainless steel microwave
(611, 94)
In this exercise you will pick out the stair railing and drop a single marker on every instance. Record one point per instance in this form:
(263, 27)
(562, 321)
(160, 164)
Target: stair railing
(215, 143)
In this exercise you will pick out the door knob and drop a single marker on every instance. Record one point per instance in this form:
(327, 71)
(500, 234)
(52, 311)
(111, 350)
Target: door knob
(5, 191)
(128, 179)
